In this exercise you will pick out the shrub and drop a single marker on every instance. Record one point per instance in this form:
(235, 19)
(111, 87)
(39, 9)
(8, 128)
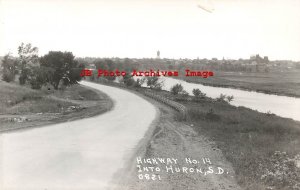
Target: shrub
(182, 96)
(221, 98)
(229, 98)
(176, 89)
(129, 82)
(139, 82)
(23, 76)
(8, 76)
(198, 94)
(154, 83)
(224, 98)
(8, 68)
(37, 77)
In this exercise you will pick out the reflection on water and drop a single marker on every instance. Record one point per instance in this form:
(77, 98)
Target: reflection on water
(280, 105)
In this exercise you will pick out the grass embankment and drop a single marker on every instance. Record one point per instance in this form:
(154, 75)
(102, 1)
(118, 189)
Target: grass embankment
(22, 107)
(264, 149)
(280, 83)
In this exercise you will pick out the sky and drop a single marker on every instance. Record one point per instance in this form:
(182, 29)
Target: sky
(138, 28)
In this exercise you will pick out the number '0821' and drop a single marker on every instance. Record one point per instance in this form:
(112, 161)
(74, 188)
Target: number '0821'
(149, 177)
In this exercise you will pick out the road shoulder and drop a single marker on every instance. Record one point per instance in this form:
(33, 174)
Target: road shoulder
(169, 138)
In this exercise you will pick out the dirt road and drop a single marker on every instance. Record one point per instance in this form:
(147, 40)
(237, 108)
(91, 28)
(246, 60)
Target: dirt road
(82, 154)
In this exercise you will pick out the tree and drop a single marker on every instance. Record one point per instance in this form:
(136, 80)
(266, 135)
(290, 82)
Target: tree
(154, 83)
(28, 58)
(39, 76)
(184, 95)
(8, 68)
(229, 98)
(106, 64)
(61, 66)
(128, 80)
(176, 89)
(139, 82)
(198, 94)
(221, 98)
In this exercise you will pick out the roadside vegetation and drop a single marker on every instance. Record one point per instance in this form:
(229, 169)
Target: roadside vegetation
(56, 68)
(23, 107)
(36, 91)
(264, 149)
(281, 77)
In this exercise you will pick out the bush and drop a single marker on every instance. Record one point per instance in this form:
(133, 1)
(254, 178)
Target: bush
(8, 76)
(229, 98)
(221, 98)
(154, 83)
(198, 94)
(129, 82)
(224, 98)
(139, 82)
(23, 76)
(8, 68)
(176, 89)
(37, 78)
(182, 96)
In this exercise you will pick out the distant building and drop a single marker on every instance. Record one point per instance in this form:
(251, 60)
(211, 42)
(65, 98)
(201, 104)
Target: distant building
(258, 64)
(91, 66)
(158, 54)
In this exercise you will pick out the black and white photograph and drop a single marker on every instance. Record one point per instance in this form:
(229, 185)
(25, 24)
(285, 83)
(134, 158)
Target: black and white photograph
(149, 95)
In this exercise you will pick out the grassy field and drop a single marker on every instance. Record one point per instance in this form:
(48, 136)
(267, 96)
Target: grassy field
(281, 83)
(22, 107)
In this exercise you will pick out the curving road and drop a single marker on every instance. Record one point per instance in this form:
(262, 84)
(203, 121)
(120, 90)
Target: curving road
(82, 154)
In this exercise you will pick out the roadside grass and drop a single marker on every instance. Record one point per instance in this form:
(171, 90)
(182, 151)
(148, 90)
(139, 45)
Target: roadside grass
(16, 99)
(78, 92)
(22, 107)
(264, 149)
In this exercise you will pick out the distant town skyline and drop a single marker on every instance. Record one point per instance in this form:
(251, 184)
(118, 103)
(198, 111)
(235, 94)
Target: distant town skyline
(231, 29)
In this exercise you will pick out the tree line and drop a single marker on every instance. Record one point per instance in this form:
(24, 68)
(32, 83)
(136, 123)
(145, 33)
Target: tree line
(54, 68)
